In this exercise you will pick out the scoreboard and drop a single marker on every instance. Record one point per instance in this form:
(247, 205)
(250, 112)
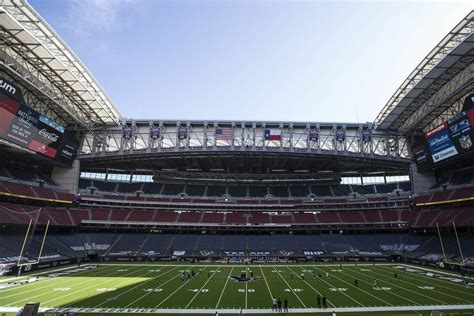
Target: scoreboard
(447, 141)
(23, 126)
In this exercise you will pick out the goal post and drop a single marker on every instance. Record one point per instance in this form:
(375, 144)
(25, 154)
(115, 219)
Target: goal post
(461, 256)
(29, 235)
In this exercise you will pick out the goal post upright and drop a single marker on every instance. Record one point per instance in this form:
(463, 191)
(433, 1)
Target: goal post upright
(24, 242)
(441, 242)
(459, 244)
(42, 242)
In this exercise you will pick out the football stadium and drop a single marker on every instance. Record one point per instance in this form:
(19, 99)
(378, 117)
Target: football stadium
(102, 214)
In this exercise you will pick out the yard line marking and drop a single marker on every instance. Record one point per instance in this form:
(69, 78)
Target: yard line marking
(422, 277)
(138, 285)
(34, 283)
(197, 293)
(268, 288)
(45, 286)
(390, 292)
(88, 287)
(426, 282)
(46, 271)
(205, 267)
(358, 288)
(246, 288)
(426, 269)
(225, 285)
(343, 293)
(404, 289)
(313, 288)
(291, 288)
(161, 284)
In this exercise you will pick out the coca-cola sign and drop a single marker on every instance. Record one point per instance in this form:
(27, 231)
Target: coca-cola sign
(49, 136)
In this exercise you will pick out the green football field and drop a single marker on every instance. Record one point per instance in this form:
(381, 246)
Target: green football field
(171, 289)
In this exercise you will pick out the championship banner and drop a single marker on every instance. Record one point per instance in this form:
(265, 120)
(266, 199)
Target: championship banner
(313, 135)
(340, 136)
(127, 133)
(154, 133)
(182, 133)
(366, 136)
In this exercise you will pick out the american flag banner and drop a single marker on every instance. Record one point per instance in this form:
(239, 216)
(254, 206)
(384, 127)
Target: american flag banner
(225, 133)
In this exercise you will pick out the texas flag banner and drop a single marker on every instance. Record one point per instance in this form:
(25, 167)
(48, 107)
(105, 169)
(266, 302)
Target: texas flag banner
(272, 134)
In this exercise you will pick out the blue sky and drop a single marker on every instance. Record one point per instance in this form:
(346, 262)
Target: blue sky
(328, 61)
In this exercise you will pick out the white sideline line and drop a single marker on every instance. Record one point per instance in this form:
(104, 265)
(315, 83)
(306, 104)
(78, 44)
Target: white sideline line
(4, 309)
(208, 264)
(225, 285)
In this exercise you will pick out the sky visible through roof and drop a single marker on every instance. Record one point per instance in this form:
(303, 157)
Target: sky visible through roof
(327, 61)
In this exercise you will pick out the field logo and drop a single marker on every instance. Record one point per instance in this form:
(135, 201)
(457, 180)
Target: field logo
(465, 142)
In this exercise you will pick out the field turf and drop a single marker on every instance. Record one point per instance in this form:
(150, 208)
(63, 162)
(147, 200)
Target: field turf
(162, 288)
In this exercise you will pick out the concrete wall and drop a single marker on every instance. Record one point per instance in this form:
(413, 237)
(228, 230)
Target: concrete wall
(68, 178)
(421, 181)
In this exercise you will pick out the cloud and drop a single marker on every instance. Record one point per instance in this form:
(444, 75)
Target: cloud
(88, 16)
